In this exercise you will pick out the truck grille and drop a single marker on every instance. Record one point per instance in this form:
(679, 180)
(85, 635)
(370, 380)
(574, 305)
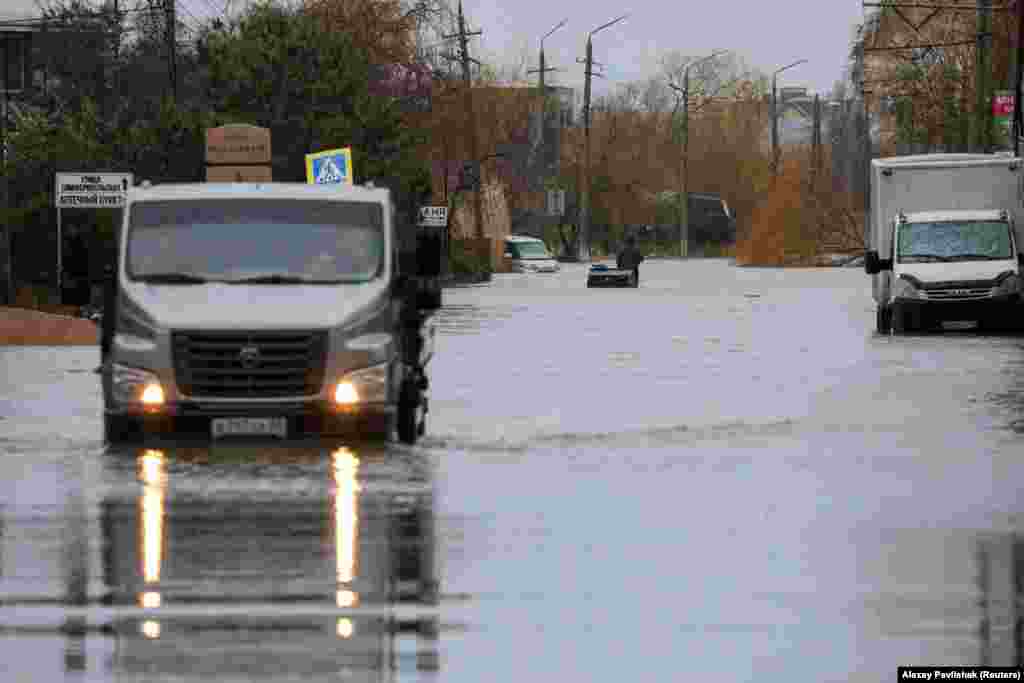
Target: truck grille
(959, 293)
(249, 364)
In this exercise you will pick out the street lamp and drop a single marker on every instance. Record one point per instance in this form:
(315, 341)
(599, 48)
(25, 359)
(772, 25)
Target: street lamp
(584, 236)
(542, 68)
(775, 117)
(684, 208)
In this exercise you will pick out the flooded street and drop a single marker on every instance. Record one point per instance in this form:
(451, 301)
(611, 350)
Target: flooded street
(723, 474)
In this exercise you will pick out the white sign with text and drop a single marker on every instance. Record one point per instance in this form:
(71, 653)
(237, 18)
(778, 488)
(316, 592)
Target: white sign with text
(92, 190)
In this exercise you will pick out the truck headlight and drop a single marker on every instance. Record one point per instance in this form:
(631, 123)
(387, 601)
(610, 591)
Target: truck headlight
(1009, 285)
(369, 385)
(904, 289)
(132, 385)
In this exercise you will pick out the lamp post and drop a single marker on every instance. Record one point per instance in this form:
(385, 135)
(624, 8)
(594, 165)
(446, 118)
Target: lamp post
(775, 117)
(543, 69)
(583, 239)
(684, 205)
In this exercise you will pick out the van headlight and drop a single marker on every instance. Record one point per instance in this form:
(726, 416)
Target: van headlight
(905, 289)
(132, 385)
(369, 385)
(1008, 286)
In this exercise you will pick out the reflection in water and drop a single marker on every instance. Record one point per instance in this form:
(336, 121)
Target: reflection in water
(151, 629)
(152, 470)
(346, 523)
(250, 530)
(1001, 582)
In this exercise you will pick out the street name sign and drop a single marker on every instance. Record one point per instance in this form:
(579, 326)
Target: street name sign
(92, 190)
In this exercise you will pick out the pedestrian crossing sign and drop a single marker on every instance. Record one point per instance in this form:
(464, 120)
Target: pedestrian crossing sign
(331, 167)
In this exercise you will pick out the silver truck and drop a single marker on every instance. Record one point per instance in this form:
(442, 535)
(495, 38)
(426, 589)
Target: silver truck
(269, 310)
(945, 241)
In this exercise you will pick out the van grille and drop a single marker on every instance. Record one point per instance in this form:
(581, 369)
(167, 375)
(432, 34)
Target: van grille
(249, 364)
(959, 293)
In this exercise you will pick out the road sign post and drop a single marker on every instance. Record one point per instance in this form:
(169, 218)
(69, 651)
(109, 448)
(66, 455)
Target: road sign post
(86, 191)
(434, 219)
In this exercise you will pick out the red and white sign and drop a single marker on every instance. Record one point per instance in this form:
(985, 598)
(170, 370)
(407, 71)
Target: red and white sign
(1002, 104)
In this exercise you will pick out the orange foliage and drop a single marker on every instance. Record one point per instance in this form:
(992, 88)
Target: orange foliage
(383, 28)
(801, 218)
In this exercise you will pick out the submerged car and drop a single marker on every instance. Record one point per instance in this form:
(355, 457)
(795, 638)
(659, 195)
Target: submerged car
(529, 255)
(604, 275)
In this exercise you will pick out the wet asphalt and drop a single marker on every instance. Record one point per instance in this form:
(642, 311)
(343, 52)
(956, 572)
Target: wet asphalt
(724, 475)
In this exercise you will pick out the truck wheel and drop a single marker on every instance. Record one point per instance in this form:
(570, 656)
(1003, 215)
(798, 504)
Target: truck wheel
(409, 413)
(883, 319)
(902, 321)
(118, 429)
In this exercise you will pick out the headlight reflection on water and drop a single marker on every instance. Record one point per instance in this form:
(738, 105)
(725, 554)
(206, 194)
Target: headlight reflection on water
(346, 523)
(153, 473)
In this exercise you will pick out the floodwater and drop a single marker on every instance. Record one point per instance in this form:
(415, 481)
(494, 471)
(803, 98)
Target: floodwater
(722, 475)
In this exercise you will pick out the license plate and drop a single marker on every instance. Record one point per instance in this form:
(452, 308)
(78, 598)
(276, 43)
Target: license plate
(249, 426)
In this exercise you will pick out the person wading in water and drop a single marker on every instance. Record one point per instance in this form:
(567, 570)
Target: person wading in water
(630, 258)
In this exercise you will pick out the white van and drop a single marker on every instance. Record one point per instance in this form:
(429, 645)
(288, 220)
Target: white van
(529, 255)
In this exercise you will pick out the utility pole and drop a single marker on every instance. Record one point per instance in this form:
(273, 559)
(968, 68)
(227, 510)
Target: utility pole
(583, 238)
(8, 255)
(544, 69)
(816, 149)
(583, 235)
(172, 47)
(983, 74)
(775, 115)
(1018, 114)
(474, 142)
(684, 178)
(544, 92)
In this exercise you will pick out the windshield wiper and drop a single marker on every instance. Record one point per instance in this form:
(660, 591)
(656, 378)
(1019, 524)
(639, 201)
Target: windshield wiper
(926, 257)
(979, 257)
(280, 279)
(172, 279)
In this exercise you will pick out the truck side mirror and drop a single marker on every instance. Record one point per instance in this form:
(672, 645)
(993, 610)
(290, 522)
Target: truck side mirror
(871, 264)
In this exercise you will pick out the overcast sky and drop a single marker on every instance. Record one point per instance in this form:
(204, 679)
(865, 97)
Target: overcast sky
(766, 34)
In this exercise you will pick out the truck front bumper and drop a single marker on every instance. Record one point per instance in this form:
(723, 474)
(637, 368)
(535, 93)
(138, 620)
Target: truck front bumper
(311, 418)
(1007, 309)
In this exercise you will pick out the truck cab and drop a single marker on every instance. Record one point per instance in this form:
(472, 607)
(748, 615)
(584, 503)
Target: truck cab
(944, 241)
(274, 309)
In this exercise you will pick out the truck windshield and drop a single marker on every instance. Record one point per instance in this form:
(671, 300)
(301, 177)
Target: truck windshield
(529, 250)
(267, 241)
(954, 241)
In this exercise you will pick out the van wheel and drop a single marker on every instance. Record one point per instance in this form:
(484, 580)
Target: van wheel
(883, 319)
(903, 321)
(119, 429)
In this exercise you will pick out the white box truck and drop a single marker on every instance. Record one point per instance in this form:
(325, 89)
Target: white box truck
(274, 309)
(944, 240)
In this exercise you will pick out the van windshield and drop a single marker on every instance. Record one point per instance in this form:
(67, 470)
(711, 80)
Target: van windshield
(954, 241)
(529, 250)
(271, 241)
